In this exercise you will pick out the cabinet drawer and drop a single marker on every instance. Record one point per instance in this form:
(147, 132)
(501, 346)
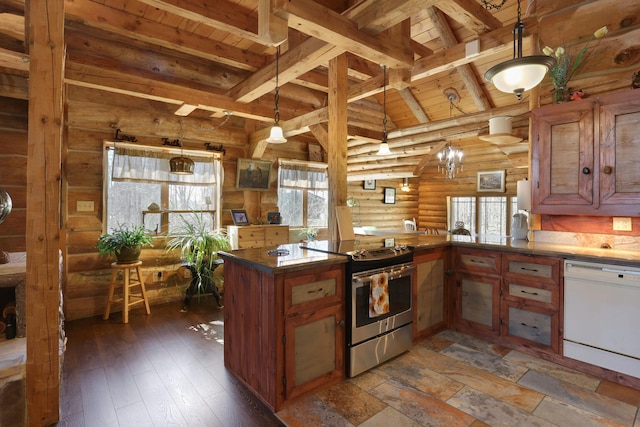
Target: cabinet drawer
(530, 325)
(480, 261)
(310, 291)
(538, 269)
(531, 293)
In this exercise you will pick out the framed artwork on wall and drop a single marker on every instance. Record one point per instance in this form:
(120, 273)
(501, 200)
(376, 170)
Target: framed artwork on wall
(369, 184)
(389, 195)
(253, 174)
(492, 181)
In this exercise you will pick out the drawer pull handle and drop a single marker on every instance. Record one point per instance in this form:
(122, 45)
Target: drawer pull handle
(526, 292)
(314, 291)
(534, 270)
(477, 261)
(527, 326)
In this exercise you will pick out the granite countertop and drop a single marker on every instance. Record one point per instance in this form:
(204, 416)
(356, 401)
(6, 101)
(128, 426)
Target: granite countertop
(301, 258)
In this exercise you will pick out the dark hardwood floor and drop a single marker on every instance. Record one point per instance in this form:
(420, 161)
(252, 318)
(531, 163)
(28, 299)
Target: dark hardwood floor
(165, 368)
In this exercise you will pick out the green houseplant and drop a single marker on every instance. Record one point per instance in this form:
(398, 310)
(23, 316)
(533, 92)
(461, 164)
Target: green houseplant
(199, 245)
(125, 242)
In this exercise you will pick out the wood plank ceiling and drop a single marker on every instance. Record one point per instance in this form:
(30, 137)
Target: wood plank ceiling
(218, 57)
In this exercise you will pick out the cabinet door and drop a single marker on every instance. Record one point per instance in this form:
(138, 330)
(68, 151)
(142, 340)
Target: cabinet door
(314, 350)
(563, 158)
(429, 305)
(477, 303)
(478, 261)
(620, 154)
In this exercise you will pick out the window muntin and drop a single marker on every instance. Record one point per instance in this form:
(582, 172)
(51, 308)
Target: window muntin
(482, 215)
(137, 177)
(303, 193)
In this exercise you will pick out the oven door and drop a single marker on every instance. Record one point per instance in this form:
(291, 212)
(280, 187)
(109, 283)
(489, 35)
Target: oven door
(369, 320)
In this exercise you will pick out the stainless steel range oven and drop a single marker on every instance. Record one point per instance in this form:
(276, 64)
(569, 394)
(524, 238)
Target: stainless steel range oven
(379, 305)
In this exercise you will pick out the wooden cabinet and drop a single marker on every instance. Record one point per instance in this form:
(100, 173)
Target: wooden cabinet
(284, 333)
(584, 155)
(429, 297)
(530, 304)
(314, 330)
(257, 236)
(477, 291)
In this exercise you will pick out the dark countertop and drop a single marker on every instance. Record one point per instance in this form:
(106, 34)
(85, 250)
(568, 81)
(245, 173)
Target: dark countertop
(300, 258)
(297, 259)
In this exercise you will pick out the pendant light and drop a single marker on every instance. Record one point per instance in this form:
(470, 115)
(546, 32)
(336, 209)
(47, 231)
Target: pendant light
(276, 136)
(179, 165)
(520, 73)
(384, 145)
(405, 185)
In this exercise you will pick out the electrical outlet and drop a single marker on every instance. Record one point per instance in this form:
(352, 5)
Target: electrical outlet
(622, 224)
(84, 206)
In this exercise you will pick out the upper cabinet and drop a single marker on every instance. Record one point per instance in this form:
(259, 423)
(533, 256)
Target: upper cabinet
(584, 155)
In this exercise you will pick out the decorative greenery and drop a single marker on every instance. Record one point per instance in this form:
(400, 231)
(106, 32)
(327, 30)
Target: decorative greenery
(563, 71)
(123, 236)
(308, 233)
(199, 246)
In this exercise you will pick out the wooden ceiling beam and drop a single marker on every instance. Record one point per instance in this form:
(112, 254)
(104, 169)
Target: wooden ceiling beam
(470, 14)
(105, 18)
(413, 105)
(221, 15)
(378, 15)
(316, 21)
(466, 73)
(495, 42)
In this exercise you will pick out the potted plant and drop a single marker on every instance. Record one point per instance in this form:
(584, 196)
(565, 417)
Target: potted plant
(308, 233)
(199, 246)
(125, 242)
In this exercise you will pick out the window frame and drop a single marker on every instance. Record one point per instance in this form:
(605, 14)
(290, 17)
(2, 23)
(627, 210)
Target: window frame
(511, 209)
(305, 191)
(165, 185)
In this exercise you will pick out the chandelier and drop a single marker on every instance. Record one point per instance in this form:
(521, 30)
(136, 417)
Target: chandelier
(450, 161)
(519, 74)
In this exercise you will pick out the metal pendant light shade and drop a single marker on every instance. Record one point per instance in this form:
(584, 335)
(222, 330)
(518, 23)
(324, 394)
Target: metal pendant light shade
(181, 165)
(519, 74)
(276, 135)
(5, 205)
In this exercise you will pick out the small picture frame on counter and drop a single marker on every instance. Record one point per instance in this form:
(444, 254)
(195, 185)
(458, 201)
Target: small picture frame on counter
(239, 217)
(274, 218)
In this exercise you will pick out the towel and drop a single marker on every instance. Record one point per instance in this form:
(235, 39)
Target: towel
(379, 295)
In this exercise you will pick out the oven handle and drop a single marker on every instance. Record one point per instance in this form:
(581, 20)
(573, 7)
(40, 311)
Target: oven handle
(393, 275)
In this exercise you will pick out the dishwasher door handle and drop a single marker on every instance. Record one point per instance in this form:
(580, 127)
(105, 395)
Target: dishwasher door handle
(629, 272)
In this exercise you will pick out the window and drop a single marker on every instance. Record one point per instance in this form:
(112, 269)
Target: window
(303, 193)
(138, 187)
(482, 215)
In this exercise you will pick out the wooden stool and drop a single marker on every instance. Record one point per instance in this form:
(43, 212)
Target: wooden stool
(129, 282)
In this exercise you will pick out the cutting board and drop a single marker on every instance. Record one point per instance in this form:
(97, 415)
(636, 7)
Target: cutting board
(345, 222)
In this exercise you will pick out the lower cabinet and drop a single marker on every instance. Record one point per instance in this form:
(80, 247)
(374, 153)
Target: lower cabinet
(512, 299)
(430, 314)
(284, 333)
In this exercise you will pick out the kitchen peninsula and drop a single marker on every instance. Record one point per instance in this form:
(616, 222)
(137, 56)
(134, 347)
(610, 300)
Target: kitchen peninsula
(285, 314)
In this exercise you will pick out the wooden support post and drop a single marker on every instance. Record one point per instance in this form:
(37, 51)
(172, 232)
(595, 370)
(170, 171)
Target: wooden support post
(337, 131)
(45, 23)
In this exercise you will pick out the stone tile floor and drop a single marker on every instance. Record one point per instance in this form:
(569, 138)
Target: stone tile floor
(452, 379)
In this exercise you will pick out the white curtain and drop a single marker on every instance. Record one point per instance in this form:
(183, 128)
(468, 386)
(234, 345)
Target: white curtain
(130, 164)
(303, 176)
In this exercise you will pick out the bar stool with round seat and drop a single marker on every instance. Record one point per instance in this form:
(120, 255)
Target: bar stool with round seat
(129, 281)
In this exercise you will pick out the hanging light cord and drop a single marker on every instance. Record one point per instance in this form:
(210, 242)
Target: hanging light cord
(277, 95)
(384, 102)
(517, 35)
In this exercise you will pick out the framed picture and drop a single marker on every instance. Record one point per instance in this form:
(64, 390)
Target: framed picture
(239, 217)
(369, 184)
(389, 195)
(274, 218)
(491, 181)
(389, 242)
(253, 174)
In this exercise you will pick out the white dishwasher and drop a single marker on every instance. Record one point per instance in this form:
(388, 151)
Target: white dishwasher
(602, 315)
